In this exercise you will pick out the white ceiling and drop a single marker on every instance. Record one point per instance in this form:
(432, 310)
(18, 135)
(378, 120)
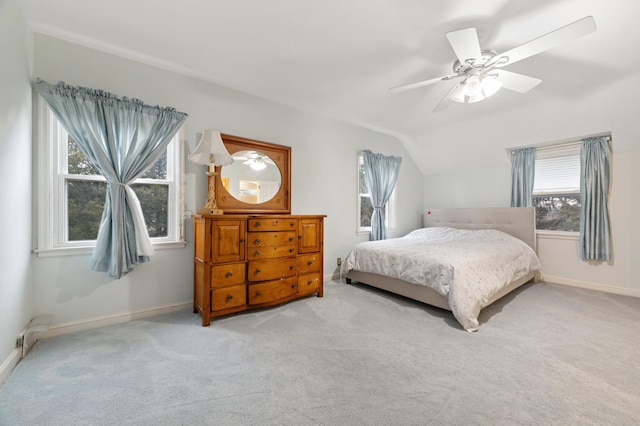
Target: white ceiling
(338, 58)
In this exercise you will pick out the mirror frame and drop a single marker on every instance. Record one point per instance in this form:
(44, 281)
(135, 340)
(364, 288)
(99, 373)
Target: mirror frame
(281, 156)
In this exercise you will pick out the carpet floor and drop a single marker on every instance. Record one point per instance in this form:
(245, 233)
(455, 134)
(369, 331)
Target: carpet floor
(544, 355)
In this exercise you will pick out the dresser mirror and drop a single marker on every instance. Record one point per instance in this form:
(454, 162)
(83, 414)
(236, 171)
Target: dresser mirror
(258, 180)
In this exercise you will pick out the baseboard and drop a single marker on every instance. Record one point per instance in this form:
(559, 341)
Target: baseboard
(333, 277)
(60, 329)
(592, 286)
(9, 364)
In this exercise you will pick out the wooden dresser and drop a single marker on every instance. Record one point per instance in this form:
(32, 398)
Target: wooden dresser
(246, 262)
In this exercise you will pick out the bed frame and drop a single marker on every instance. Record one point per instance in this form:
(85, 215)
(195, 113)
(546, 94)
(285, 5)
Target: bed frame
(516, 221)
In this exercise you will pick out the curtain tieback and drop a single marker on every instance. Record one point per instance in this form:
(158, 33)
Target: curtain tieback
(118, 183)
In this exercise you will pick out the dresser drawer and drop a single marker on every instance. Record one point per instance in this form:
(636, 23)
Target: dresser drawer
(272, 291)
(273, 269)
(228, 297)
(225, 275)
(309, 263)
(272, 252)
(264, 239)
(308, 283)
(268, 224)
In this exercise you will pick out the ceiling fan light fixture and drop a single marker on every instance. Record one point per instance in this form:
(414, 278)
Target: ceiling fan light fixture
(258, 164)
(476, 88)
(491, 85)
(472, 85)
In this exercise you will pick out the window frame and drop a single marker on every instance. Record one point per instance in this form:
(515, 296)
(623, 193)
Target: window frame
(390, 208)
(51, 196)
(555, 151)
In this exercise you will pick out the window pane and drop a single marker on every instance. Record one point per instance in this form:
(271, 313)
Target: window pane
(85, 202)
(559, 212)
(78, 164)
(154, 200)
(366, 210)
(362, 184)
(159, 169)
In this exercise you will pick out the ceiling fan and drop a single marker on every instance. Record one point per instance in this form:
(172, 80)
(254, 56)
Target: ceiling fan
(482, 71)
(253, 159)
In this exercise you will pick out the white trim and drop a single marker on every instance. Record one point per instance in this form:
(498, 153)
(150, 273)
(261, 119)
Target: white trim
(9, 364)
(85, 250)
(74, 327)
(557, 235)
(550, 279)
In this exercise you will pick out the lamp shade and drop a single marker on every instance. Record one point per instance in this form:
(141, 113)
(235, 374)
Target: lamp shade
(210, 150)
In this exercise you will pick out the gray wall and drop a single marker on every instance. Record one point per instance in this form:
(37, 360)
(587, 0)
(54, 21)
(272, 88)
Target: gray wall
(324, 179)
(16, 292)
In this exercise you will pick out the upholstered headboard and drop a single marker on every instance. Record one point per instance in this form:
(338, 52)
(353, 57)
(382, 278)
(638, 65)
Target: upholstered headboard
(517, 221)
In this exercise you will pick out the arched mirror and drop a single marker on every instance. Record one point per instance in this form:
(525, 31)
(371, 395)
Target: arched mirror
(258, 180)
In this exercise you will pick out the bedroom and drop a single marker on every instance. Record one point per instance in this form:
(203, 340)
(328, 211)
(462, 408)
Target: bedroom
(324, 175)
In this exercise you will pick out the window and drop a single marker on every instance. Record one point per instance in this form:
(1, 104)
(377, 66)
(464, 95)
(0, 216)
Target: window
(72, 193)
(365, 208)
(556, 189)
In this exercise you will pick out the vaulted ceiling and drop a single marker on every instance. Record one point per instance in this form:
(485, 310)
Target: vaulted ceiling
(338, 58)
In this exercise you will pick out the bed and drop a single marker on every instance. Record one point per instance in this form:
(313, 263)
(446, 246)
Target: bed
(462, 260)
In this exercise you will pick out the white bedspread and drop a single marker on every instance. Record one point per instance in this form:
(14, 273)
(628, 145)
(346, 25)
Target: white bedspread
(465, 266)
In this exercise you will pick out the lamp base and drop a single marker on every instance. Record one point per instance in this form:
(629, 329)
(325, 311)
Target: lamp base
(210, 211)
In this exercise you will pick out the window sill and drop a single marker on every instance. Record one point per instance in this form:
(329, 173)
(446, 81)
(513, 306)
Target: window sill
(365, 231)
(558, 235)
(84, 250)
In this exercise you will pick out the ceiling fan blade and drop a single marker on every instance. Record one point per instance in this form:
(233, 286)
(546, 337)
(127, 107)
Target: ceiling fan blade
(548, 41)
(446, 101)
(517, 82)
(465, 44)
(422, 83)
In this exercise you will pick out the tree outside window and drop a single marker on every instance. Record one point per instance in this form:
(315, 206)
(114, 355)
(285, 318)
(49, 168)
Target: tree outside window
(85, 197)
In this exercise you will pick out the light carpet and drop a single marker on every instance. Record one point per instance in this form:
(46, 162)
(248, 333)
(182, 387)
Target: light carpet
(544, 355)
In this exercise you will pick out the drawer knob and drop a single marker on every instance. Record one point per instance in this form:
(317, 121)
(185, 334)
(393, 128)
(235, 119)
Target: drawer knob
(309, 282)
(257, 240)
(293, 285)
(291, 267)
(293, 223)
(258, 224)
(258, 293)
(257, 253)
(310, 262)
(290, 238)
(258, 271)
(229, 274)
(291, 250)
(229, 297)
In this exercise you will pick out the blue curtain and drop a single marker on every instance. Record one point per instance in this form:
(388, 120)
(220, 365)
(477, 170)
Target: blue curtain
(594, 191)
(380, 173)
(123, 138)
(523, 171)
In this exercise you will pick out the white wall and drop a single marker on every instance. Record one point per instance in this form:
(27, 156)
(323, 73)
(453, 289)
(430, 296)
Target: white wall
(16, 292)
(490, 187)
(324, 178)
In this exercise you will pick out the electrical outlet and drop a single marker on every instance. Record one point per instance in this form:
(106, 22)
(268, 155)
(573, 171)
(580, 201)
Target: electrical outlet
(19, 342)
(339, 261)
